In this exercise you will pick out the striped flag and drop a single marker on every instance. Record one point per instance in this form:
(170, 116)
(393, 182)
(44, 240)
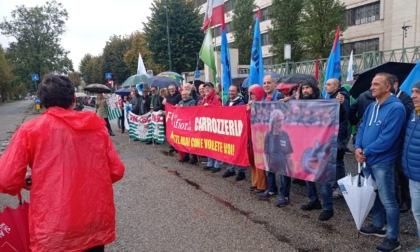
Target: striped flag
(207, 54)
(215, 13)
(114, 111)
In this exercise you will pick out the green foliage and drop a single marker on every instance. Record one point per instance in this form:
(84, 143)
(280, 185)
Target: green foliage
(131, 57)
(37, 49)
(242, 23)
(185, 34)
(5, 76)
(91, 69)
(320, 19)
(75, 78)
(285, 21)
(113, 58)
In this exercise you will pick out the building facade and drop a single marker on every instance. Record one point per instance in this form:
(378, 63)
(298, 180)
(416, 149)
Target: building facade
(372, 25)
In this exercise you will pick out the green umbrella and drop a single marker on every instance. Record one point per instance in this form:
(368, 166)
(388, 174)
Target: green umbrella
(135, 79)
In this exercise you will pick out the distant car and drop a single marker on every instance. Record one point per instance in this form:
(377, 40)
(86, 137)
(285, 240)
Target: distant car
(92, 101)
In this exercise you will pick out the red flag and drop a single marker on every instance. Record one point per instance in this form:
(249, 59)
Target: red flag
(215, 13)
(316, 69)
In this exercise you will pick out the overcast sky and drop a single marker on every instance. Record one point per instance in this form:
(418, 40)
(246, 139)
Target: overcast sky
(91, 22)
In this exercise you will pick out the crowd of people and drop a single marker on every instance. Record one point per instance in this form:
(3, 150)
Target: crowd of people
(380, 115)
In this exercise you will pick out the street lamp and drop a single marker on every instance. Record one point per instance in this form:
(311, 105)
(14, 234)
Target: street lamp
(167, 34)
(287, 55)
(405, 28)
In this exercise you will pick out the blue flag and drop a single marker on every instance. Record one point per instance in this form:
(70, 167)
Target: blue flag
(225, 58)
(256, 68)
(411, 78)
(333, 66)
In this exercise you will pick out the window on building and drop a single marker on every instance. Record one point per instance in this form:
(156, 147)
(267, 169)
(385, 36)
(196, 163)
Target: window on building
(264, 14)
(229, 4)
(229, 27)
(363, 14)
(265, 39)
(359, 47)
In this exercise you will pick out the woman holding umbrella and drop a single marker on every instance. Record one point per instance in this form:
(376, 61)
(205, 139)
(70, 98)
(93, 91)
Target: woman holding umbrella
(102, 111)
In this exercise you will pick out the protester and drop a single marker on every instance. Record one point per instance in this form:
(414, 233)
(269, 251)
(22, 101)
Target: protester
(334, 89)
(72, 203)
(156, 101)
(234, 100)
(121, 103)
(200, 98)
(191, 88)
(258, 178)
(173, 98)
(186, 101)
(211, 98)
(102, 111)
(402, 187)
(410, 155)
(163, 93)
(271, 94)
(137, 102)
(377, 146)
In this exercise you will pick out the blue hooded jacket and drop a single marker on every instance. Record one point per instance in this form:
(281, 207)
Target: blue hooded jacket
(410, 156)
(379, 131)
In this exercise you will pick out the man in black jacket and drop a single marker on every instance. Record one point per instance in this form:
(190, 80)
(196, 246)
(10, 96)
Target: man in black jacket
(173, 98)
(156, 100)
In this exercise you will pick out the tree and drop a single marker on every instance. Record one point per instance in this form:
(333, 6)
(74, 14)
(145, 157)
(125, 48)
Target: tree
(75, 78)
(242, 28)
(185, 34)
(131, 57)
(37, 49)
(320, 19)
(91, 69)
(5, 76)
(113, 58)
(285, 23)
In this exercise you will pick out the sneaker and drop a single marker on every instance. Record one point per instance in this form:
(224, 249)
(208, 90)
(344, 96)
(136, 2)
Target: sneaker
(266, 194)
(311, 206)
(326, 215)
(372, 230)
(252, 188)
(228, 174)
(282, 201)
(214, 170)
(241, 176)
(337, 194)
(389, 245)
(260, 191)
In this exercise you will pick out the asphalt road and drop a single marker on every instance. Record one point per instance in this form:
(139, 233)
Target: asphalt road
(164, 205)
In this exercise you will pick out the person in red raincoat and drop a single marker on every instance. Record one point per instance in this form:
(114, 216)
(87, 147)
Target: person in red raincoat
(73, 166)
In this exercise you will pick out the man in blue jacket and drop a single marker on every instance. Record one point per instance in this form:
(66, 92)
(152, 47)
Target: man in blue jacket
(377, 145)
(411, 158)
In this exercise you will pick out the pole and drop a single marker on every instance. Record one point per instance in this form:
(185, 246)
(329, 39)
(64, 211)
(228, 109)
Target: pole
(167, 34)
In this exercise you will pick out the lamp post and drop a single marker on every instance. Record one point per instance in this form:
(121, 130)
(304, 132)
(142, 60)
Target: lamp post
(287, 56)
(167, 34)
(405, 28)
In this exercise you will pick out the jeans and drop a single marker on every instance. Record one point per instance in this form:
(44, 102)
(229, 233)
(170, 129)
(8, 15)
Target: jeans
(232, 168)
(415, 202)
(271, 182)
(211, 161)
(285, 186)
(386, 204)
(326, 192)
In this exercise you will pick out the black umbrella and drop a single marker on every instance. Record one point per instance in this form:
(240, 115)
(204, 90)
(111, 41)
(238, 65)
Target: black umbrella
(98, 88)
(298, 77)
(364, 79)
(161, 82)
(197, 83)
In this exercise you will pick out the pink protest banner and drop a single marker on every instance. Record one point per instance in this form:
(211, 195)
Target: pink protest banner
(216, 132)
(296, 138)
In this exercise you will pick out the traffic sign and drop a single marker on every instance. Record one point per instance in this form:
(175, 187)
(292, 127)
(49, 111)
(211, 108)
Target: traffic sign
(197, 73)
(108, 76)
(35, 77)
